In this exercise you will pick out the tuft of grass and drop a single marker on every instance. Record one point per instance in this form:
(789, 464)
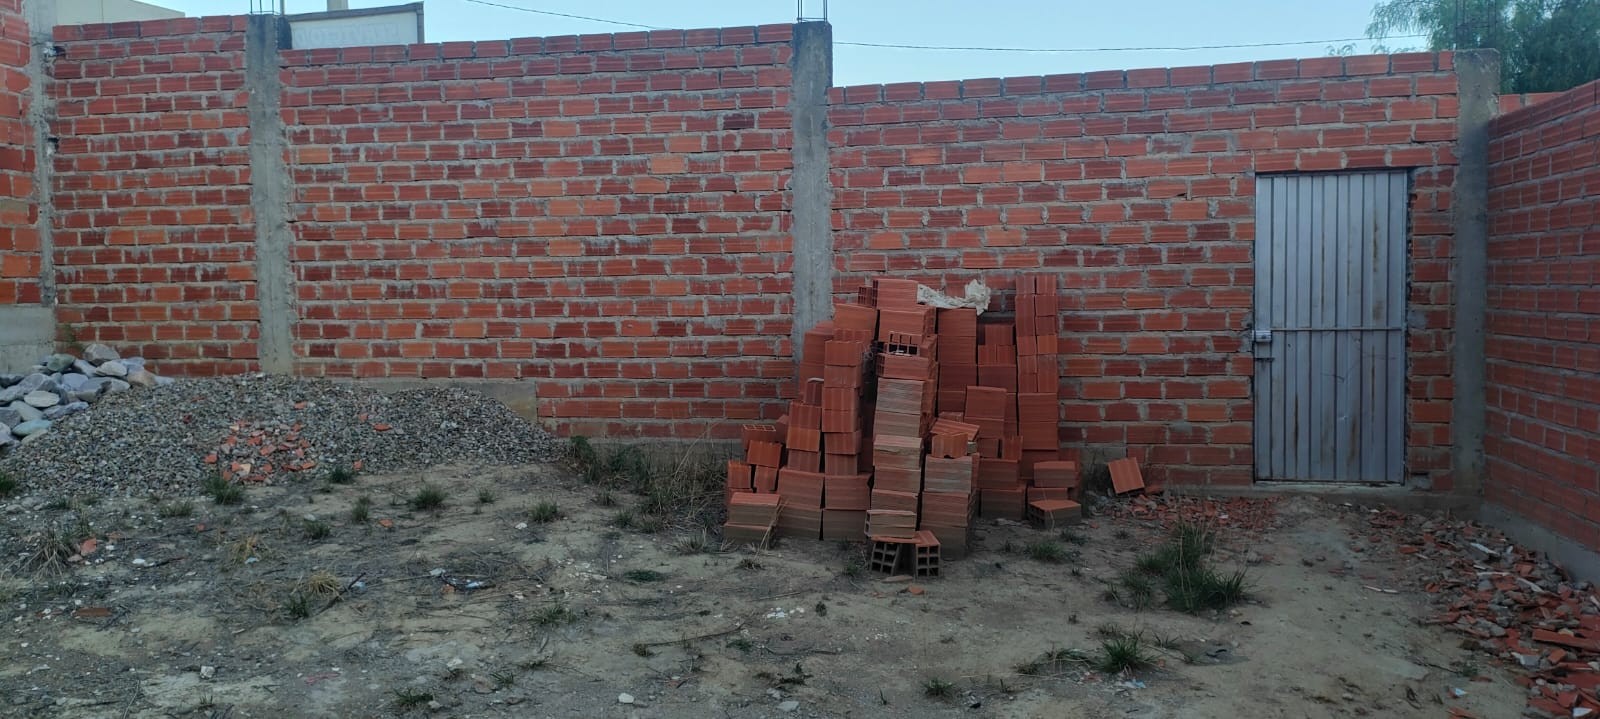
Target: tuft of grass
(1122, 534)
(503, 680)
(242, 549)
(49, 554)
(171, 510)
(361, 511)
(222, 491)
(1194, 539)
(1197, 589)
(1153, 563)
(750, 563)
(1185, 550)
(939, 688)
(1138, 589)
(8, 484)
(297, 605)
(650, 523)
(623, 519)
(581, 452)
(1124, 652)
(1053, 662)
(429, 497)
(696, 543)
(552, 615)
(341, 474)
(742, 644)
(605, 498)
(1071, 537)
(411, 698)
(686, 488)
(1189, 582)
(534, 664)
(643, 575)
(1047, 551)
(544, 513)
(322, 584)
(316, 530)
(485, 496)
(642, 649)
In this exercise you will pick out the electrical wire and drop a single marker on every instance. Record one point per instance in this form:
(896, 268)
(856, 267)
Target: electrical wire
(1153, 48)
(566, 15)
(965, 48)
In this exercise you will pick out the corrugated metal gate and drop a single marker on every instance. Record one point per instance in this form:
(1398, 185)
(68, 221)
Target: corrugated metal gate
(1329, 330)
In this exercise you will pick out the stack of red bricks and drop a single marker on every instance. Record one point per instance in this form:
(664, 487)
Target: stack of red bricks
(909, 421)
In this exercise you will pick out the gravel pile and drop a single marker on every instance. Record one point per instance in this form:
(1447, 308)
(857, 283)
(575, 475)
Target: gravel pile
(168, 440)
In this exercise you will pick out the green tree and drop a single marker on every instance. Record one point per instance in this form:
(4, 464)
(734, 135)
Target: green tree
(1544, 45)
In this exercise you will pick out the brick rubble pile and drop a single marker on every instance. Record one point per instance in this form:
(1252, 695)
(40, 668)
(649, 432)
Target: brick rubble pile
(1511, 602)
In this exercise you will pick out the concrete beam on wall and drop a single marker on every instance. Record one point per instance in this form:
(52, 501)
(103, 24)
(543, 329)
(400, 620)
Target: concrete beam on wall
(812, 273)
(27, 332)
(1478, 78)
(269, 194)
(41, 112)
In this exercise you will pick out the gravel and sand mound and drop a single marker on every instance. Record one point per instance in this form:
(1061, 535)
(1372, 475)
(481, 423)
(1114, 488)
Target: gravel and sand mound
(169, 440)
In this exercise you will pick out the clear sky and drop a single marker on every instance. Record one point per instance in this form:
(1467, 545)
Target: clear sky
(989, 23)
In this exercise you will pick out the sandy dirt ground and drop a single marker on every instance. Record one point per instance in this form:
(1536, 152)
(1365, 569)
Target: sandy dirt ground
(230, 611)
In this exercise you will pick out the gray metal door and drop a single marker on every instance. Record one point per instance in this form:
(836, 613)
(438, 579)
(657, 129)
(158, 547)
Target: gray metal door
(1329, 329)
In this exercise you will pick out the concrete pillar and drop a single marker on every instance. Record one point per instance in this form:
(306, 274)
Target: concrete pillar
(812, 65)
(1478, 79)
(269, 193)
(27, 332)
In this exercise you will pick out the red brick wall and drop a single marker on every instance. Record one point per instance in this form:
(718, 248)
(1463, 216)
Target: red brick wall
(606, 216)
(1137, 186)
(603, 214)
(1543, 442)
(19, 241)
(153, 233)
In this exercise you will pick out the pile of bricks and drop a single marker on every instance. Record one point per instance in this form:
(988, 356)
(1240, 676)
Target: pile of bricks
(911, 421)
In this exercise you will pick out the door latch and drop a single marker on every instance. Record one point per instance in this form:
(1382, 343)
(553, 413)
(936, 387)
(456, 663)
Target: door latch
(1261, 342)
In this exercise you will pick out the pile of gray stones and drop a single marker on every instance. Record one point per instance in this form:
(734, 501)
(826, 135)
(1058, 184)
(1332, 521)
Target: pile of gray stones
(63, 385)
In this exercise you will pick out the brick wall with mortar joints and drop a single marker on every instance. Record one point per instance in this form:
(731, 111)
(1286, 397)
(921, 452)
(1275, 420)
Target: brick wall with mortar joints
(20, 261)
(153, 237)
(1138, 187)
(1543, 346)
(605, 215)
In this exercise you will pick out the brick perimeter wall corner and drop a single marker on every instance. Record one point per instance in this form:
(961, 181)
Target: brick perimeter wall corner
(1543, 358)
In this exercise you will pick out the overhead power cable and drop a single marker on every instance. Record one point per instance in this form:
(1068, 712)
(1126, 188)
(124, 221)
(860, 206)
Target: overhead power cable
(1152, 48)
(972, 48)
(565, 15)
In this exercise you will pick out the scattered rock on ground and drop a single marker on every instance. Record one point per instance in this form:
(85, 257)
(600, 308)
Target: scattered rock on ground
(62, 385)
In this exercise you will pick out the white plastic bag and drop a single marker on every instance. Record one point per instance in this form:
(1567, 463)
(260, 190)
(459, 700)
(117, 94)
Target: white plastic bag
(977, 297)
